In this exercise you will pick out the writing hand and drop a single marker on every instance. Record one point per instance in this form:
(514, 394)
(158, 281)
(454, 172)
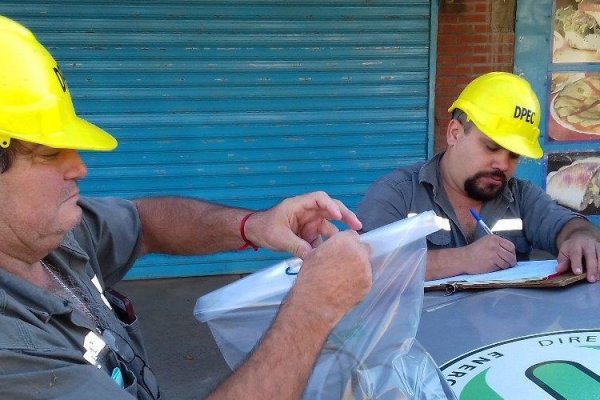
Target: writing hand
(488, 254)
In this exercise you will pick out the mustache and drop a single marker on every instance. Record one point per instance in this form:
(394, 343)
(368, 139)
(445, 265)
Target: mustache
(493, 174)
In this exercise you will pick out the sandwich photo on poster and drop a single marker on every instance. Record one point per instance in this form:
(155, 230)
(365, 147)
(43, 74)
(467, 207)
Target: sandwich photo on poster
(576, 31)
(573, 180)
(574, 109)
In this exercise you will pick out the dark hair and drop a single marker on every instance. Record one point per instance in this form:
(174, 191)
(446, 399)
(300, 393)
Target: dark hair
(462, 117)
(7, 155)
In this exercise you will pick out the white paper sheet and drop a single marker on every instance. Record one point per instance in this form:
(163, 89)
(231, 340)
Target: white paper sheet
(523, 271)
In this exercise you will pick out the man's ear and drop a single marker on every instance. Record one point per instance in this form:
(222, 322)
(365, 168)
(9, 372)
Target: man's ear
(454, 131)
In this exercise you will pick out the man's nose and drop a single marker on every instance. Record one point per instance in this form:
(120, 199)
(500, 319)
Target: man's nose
(501, 160)
(74, 166)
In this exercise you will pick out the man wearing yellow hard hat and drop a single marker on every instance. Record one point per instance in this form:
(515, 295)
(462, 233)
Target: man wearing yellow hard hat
(492, 218)
(63, 333)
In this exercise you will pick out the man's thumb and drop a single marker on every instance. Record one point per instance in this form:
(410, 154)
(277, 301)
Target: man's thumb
(298, 247)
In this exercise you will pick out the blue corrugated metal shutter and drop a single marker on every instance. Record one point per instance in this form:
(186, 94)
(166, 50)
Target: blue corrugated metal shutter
(241, 102)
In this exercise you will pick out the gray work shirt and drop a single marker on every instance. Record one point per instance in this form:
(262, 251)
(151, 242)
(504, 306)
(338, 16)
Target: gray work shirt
(48, 349)
(418, 188)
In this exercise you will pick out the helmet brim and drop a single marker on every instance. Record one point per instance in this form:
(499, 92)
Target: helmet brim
(80, 134)
(517, 144)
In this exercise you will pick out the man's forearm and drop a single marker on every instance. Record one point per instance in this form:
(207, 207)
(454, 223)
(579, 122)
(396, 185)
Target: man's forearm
(174, 225)
(281, 365)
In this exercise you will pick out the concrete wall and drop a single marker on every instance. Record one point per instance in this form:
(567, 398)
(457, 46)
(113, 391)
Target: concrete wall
(474, 37)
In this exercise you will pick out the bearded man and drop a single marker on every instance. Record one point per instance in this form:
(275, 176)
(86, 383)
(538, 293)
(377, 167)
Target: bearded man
(494, 121)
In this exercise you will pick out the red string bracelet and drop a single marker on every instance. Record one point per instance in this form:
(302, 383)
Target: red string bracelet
(247, 243)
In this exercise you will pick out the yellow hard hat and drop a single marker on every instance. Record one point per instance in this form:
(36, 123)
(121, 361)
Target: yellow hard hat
(35, 104)
(505, 108)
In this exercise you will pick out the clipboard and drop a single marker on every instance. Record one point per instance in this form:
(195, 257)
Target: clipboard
(562, 280)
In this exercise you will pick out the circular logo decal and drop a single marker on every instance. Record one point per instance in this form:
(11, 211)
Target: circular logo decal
(556, 365)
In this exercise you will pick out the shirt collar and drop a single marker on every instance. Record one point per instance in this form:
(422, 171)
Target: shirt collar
(36, 298)
(70, 245)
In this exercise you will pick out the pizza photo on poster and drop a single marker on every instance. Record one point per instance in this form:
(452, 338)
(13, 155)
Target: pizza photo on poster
(574, 106)
(573, 181)
(576, 31)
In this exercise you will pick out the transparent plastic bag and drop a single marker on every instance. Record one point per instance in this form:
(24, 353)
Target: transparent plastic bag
(372, 352)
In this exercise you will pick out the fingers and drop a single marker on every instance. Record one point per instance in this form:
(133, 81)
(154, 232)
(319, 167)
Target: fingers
(492, 253)
(348, 217)
(334, 209)
(323, 201)
(591, 263)
(505, 254)
(570, 256)
(580, 255)
(504, 265)
(327, 229)
(507, 246)
(563, 266)
(508, 258)
(596, 262)
(575, 255)
(297, 224)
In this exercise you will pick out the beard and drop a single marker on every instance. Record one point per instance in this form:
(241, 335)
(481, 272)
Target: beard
(483, 192)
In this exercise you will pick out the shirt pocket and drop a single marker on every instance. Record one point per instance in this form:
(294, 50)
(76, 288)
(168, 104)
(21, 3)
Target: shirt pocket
(129, 381)
(16, 336)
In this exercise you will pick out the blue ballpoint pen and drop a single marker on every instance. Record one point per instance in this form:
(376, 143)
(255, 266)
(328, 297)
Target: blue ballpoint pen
(480, 222)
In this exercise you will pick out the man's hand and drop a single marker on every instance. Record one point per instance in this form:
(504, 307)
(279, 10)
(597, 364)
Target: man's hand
(579, 249)
(332, 280)
(296, 224)
(488, 254)
(579, 253)
(334, 277)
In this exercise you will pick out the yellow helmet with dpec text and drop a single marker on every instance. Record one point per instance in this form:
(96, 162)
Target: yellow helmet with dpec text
(35, 104)
(505, 108)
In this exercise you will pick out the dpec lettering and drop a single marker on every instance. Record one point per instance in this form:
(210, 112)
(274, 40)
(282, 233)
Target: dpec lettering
(524, 113)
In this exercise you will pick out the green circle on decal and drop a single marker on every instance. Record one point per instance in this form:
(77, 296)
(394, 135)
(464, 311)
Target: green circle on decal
(555, 365)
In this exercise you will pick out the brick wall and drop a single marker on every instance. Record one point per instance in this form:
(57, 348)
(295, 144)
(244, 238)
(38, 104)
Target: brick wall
(474, 37)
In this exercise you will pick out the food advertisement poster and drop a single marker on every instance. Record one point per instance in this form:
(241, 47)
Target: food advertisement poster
(574, 98)
(573, 180)
(574, 110)
(576, 33)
